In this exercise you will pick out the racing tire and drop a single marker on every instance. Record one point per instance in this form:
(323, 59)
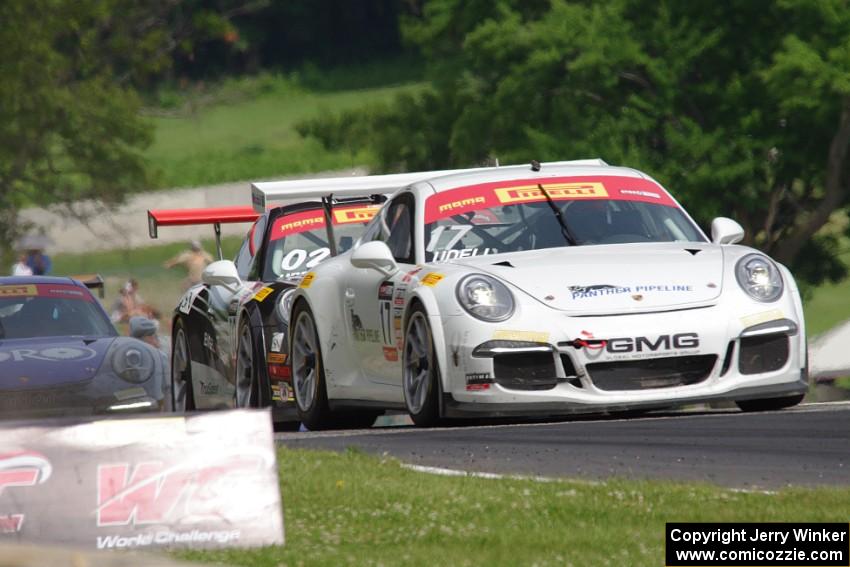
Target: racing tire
(246, 392)
(182, 397)
(420, 371)
(308, 371)
(770, 404)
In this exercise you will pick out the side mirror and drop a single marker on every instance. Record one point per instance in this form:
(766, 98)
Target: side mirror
(726, 231)
(375, 255)
(222, 273)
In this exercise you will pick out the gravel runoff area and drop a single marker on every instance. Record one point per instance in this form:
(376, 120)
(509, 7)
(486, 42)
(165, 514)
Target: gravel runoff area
(126, 226)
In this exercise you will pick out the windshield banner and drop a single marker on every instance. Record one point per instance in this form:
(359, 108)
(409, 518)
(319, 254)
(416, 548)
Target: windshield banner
(303, 221)
(200, 481)
(488, 195)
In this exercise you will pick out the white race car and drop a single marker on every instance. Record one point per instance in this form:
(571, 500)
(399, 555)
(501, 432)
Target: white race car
(540, 291)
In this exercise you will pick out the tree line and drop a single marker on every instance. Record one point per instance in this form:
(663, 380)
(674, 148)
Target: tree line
(739, 108)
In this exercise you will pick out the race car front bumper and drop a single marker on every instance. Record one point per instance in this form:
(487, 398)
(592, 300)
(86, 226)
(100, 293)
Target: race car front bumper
(624, 362)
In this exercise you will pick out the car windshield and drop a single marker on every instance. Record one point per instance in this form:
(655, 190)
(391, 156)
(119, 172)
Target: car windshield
(299, 241)
(46, 310)
(491, 218)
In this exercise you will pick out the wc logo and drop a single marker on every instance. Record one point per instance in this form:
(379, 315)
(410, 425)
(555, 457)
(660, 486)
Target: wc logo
(23, 468)
(154, 492)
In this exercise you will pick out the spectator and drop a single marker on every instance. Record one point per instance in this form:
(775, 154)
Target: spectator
(39, 262)
(145, 330)
(21, 268)
(130, 304)
(194, 260)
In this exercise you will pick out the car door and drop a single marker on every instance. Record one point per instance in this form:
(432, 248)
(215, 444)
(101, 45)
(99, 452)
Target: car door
(222, 311)
(369, 298)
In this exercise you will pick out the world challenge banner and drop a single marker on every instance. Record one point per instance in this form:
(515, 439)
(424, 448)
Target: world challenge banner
(200, 481)
(758, 544)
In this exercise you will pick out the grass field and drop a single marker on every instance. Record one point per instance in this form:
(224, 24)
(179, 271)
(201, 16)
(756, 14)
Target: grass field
(245, 128)
(353, 509)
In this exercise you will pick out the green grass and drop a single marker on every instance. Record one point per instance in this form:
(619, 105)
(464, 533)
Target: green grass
(353, 509)
(828, 306)
(245, 128)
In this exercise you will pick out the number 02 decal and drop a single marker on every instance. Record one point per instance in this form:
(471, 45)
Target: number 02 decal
(293, 260)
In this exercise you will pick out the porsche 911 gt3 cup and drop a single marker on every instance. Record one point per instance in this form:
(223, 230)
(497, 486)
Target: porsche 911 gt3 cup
(544, 290)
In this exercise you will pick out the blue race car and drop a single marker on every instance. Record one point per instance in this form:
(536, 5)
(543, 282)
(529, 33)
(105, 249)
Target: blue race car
(60, 354)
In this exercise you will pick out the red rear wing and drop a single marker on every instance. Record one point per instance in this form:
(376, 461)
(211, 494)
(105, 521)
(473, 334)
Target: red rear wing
(216, 215)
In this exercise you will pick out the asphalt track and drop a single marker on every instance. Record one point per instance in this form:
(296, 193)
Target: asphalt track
(807, 445)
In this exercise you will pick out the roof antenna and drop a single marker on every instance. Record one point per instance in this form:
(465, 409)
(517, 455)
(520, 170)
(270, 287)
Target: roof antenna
(535, 165)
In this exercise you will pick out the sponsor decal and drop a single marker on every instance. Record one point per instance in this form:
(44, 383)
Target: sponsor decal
(678, 341)
(17, 469)
(476, 381)
(474, 198)
(263, 293)
(53, 354)
(603, 290)
(122, 395)
(762, 317)
(354, 214)
(446, 255)
(557, 191)
(408, 277)
(385, 291)
(461, 204)
(399, 298)
(531, 336)
(390, 354)
(367, 335)
(307, 280)
(296, 223)
(18, 291)
(277, 341)
(431, 279)
(640, 193)
(209, 342)
(209, 388)
(276, 358)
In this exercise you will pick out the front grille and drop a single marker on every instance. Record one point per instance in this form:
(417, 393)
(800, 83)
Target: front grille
(651, 373)
(525, 371)
(763, 354)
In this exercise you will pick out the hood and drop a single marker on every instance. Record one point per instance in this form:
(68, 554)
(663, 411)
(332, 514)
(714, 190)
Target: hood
(54, 361)
(610, 279)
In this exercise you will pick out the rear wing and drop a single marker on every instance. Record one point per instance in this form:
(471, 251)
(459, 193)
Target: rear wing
(214, 216)
(91, 281)
(264, 193)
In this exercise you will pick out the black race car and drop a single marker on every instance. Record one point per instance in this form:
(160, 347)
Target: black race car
(229, 333)
(60, 354)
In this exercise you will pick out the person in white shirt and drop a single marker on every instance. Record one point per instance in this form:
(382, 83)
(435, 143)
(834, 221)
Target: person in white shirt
(21, 268)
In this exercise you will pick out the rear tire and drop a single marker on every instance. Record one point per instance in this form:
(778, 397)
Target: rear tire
(182, 398)
(770, 404)
(308, 371)
(420, 371)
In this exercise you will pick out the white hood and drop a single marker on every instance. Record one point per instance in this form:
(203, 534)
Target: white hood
(612, 278)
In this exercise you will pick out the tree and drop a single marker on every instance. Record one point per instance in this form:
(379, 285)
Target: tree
(70, 126)
(740, 109)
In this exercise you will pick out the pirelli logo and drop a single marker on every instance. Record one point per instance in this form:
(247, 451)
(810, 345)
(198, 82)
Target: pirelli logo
(359, 214)
(18, 291)
(462, 203)
(558, 191)
(303, 223)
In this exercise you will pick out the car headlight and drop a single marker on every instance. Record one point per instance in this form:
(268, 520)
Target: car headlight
(759, 277)
(133, 363)
(485, 297)
(284, 305)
